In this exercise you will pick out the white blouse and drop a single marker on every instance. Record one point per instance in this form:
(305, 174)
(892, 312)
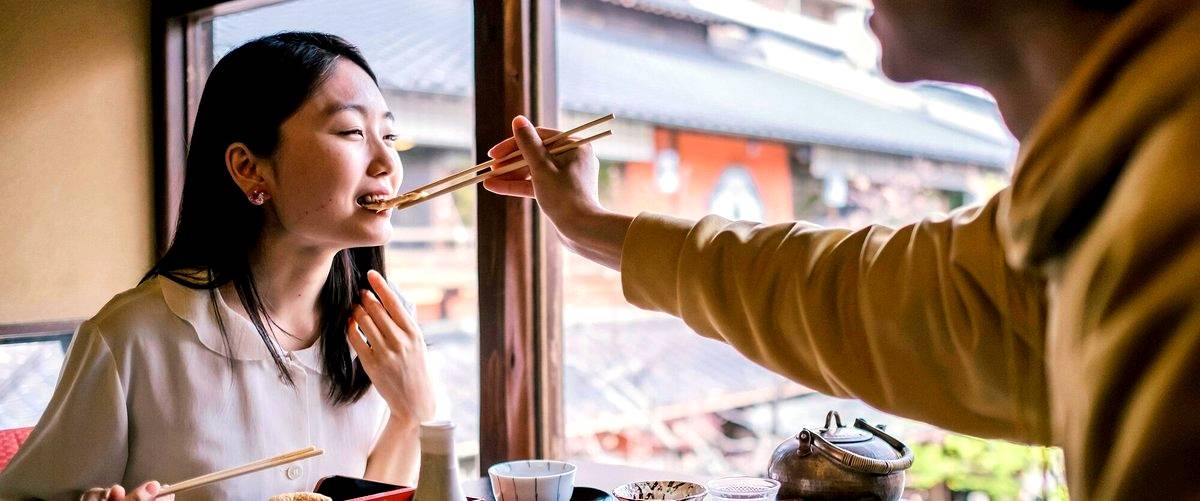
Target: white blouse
(146, 393)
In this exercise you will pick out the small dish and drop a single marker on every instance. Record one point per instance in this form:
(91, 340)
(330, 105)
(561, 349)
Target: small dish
(670, 490)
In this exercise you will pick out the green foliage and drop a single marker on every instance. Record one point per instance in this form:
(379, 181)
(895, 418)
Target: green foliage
(968, 464)
(608, 181)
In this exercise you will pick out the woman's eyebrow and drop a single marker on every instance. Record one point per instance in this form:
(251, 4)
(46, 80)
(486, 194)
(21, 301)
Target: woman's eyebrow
(336, 108)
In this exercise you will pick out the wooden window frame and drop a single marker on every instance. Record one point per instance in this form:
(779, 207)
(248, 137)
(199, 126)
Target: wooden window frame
(29, 332)
(519, 259)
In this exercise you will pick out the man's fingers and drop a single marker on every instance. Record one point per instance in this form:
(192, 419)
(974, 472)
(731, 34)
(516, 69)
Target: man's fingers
(516, 175)
(512, 188)
(530, 144)
(507, 146)
(521, 173)
(502, 148)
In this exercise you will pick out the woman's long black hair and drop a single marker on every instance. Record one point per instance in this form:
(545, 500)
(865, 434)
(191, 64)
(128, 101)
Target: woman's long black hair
(246, 99)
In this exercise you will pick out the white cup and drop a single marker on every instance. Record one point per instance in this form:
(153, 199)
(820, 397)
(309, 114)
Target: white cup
(532, 480)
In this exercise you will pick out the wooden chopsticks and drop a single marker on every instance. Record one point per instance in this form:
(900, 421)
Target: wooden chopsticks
(471, 175)
(261, 464)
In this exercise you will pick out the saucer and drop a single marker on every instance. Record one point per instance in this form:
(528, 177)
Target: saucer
(589, 494)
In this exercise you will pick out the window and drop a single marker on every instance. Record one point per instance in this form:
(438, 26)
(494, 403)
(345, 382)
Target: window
(421, 53)
(763, 112)
(29, 365)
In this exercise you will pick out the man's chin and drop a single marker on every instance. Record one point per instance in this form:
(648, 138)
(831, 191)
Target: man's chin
(899, 71)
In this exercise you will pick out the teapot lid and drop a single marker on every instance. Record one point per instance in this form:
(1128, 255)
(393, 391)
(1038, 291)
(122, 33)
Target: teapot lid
(840, 434)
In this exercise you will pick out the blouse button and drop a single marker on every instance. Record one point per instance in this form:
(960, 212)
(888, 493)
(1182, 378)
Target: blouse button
(292, 472)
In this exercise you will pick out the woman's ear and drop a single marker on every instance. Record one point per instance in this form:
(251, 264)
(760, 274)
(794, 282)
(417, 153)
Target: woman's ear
(248, 170)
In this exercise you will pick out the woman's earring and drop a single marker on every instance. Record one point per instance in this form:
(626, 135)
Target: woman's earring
(257, 197)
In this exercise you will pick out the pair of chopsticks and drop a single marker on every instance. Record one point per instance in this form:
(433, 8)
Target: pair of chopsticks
(557, 144)
(261, 464)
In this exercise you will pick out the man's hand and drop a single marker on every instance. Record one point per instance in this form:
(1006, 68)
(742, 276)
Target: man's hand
(565, 186)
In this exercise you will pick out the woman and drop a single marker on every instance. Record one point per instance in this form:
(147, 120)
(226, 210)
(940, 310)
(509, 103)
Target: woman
(241, 342)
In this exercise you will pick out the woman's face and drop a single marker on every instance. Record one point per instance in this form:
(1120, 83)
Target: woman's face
(335, 150)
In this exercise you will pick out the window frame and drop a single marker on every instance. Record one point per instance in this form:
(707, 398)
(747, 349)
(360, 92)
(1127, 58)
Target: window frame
(519, 259)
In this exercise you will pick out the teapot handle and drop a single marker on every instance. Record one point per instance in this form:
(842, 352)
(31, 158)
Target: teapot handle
(859, 462)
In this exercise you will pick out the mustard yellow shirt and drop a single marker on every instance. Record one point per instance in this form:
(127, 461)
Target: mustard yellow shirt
(1064, 311)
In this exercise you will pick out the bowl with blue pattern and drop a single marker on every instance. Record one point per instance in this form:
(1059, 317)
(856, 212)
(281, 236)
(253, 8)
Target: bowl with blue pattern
(532, 480)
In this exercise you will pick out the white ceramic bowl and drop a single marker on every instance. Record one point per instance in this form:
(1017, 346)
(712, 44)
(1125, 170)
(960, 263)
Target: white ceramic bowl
(532, 480)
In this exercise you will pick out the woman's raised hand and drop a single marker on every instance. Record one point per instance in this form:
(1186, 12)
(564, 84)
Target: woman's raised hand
(144, 492)
(393, 353)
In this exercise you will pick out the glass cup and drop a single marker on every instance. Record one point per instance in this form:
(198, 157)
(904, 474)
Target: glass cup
(743, 489)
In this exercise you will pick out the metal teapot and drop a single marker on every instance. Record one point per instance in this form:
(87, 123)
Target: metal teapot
(837, 462)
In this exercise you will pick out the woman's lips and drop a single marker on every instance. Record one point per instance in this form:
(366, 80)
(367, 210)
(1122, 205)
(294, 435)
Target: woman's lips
(372, 198)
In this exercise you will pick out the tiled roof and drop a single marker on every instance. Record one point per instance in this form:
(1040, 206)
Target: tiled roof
(678, 9)
(425, 46)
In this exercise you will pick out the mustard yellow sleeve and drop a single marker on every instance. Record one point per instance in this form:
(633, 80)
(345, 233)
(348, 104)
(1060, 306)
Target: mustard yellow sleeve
(1133, 372)
(925, 321)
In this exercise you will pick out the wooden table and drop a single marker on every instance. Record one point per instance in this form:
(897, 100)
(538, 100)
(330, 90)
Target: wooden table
(605, 477)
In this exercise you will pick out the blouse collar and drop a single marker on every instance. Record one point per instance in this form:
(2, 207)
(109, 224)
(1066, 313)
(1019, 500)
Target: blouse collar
(196, 307)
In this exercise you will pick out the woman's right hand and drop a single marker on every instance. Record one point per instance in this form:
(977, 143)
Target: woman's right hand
(144, 492)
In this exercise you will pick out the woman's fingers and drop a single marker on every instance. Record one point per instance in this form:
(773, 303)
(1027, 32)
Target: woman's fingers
(144, 492)
(367, 325)
(356, 339)
(116, 493)
(94, 494)
(383, 321)
(390, 301)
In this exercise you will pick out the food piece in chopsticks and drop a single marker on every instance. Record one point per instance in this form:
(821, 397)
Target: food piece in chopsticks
(300, 496)
(402, 199)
